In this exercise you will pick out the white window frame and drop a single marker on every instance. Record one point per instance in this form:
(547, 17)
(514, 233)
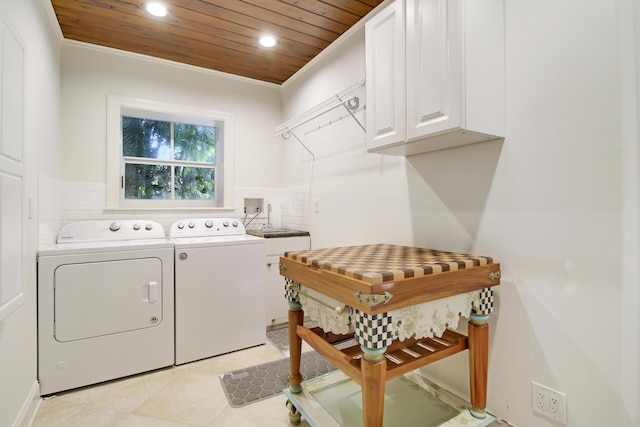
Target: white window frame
(117, 106)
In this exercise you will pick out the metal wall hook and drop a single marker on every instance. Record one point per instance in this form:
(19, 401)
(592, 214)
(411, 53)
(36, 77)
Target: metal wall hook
(353, 103)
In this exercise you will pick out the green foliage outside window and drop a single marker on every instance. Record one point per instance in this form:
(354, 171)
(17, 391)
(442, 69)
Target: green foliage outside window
(167, 160)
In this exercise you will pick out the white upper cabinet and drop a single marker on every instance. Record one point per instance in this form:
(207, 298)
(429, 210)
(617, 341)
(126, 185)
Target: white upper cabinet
(435, 75)
(385, 50)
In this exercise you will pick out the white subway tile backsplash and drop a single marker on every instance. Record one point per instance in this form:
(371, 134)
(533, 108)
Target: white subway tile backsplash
(63, 202)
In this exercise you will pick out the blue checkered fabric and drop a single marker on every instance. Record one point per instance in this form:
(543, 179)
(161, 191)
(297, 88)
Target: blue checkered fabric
(485, 304)
(373, 331)
(291, 290)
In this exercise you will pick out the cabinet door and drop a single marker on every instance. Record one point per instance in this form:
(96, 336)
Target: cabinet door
(385, 56)
(277, 307)
(434, 80)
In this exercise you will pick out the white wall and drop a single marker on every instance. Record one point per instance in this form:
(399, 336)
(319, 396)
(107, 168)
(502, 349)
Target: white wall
(18, 355)
(556, 203)
(362, 197)
(91, 73)
(547, 203)
(629, 61)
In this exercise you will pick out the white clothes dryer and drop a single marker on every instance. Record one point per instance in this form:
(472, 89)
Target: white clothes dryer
(105, 303)
(220, 288)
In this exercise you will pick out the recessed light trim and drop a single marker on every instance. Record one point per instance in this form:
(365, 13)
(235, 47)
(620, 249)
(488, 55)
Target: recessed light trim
(267, 41)
(157, 9)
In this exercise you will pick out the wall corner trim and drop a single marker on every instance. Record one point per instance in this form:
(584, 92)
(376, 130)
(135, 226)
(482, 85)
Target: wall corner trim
(30, 407)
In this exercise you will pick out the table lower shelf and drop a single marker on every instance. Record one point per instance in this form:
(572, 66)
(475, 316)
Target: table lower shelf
(334, 400)
(402, 356)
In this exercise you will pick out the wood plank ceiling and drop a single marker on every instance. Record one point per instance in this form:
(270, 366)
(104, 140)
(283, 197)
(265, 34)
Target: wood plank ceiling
(216, 34)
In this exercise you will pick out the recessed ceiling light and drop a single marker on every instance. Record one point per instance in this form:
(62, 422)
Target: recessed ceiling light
(267, 41)
(156, 9)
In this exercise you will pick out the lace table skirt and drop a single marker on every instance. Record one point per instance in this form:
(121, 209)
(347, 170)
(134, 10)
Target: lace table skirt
(424, 320)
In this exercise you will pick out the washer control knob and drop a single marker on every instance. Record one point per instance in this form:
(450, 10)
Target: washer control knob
(180, 225)
(225, 223)
(136, 226)
(115, 226)
(234, 223)
(183, 256)
(149, 226)
(192, 224)
(208, 223)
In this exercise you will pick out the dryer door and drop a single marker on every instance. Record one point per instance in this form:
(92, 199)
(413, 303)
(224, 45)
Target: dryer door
(100, 298)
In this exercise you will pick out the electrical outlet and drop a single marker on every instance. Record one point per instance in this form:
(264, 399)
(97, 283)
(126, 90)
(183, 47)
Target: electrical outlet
(554, 405)
(540, 401)
(548, 402)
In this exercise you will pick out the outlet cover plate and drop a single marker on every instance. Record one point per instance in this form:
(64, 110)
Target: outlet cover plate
(549, 402)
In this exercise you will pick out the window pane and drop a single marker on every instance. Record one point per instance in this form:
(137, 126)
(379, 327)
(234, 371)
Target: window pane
(147, 181)
(146, 138)
(194, 183)
(195, 143)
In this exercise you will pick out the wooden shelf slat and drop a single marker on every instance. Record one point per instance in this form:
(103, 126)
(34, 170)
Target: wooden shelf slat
(402, 356)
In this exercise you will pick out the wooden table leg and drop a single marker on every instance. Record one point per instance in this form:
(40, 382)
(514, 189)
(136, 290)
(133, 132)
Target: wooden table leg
(374, 369)
(478, 363)
(296, 317)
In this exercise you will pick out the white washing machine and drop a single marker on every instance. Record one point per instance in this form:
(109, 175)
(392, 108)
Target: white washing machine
(105, 303)
(220, 288)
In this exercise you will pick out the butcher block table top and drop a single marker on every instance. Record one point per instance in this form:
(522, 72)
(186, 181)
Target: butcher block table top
(381, 277)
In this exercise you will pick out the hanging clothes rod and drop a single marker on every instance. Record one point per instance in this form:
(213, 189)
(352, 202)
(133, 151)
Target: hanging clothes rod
(351, 104)
(289, 133)
(352, 99)
(336, 120)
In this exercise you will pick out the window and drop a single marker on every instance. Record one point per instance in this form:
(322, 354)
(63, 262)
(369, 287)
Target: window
(167, 156)
(168, 160)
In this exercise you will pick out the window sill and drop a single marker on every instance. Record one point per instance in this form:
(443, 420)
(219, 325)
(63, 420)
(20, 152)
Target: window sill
(172, 210)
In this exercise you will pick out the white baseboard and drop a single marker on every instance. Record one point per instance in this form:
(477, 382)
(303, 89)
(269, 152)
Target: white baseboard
(29, 408)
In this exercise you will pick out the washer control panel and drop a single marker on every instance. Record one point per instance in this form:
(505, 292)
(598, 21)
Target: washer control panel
(95, 231)
(204, 227)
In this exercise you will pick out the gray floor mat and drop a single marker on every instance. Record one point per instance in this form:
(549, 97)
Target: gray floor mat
(280, 337)
(255, 383)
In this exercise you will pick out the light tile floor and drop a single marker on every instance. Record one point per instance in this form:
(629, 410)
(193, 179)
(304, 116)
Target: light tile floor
(187, 395)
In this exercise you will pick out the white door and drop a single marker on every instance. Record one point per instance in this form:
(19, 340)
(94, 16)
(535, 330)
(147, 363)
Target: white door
(12, 172)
